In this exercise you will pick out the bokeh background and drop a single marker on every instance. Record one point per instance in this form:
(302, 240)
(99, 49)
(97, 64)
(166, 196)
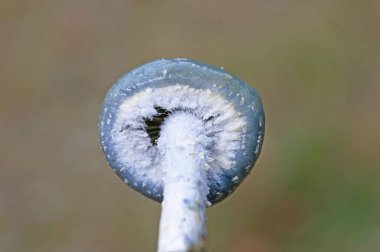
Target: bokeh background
(316, 65)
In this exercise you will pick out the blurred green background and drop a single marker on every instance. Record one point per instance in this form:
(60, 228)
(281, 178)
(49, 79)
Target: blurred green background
(316, 65)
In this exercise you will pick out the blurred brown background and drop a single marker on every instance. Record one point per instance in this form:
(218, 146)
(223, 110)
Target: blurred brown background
(316, 65)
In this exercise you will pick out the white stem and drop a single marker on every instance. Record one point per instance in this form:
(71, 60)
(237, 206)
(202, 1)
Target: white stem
(183, 216)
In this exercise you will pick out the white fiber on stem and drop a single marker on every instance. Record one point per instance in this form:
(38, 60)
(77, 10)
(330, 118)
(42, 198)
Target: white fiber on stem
(183, 216)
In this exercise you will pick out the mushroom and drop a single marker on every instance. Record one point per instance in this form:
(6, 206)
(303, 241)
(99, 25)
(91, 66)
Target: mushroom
(185, 134)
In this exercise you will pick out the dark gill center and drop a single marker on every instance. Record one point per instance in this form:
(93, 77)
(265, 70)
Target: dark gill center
(153, 125)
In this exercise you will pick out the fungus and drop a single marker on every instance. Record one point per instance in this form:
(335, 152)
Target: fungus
(184, 134)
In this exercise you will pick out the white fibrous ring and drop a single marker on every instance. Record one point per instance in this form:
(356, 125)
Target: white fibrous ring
(229, 115)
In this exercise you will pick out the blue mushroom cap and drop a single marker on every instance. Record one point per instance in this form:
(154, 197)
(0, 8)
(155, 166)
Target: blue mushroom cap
(127, 137)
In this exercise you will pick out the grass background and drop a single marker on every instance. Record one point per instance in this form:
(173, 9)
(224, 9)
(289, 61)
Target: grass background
(315, 64)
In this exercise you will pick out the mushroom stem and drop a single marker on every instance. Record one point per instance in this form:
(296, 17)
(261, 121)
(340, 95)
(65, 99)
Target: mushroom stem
(183, 216)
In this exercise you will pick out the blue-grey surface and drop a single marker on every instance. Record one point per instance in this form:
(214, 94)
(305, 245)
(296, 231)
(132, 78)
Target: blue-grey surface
(166, 72)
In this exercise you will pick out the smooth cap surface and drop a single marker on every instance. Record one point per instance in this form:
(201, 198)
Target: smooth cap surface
(141, 99)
